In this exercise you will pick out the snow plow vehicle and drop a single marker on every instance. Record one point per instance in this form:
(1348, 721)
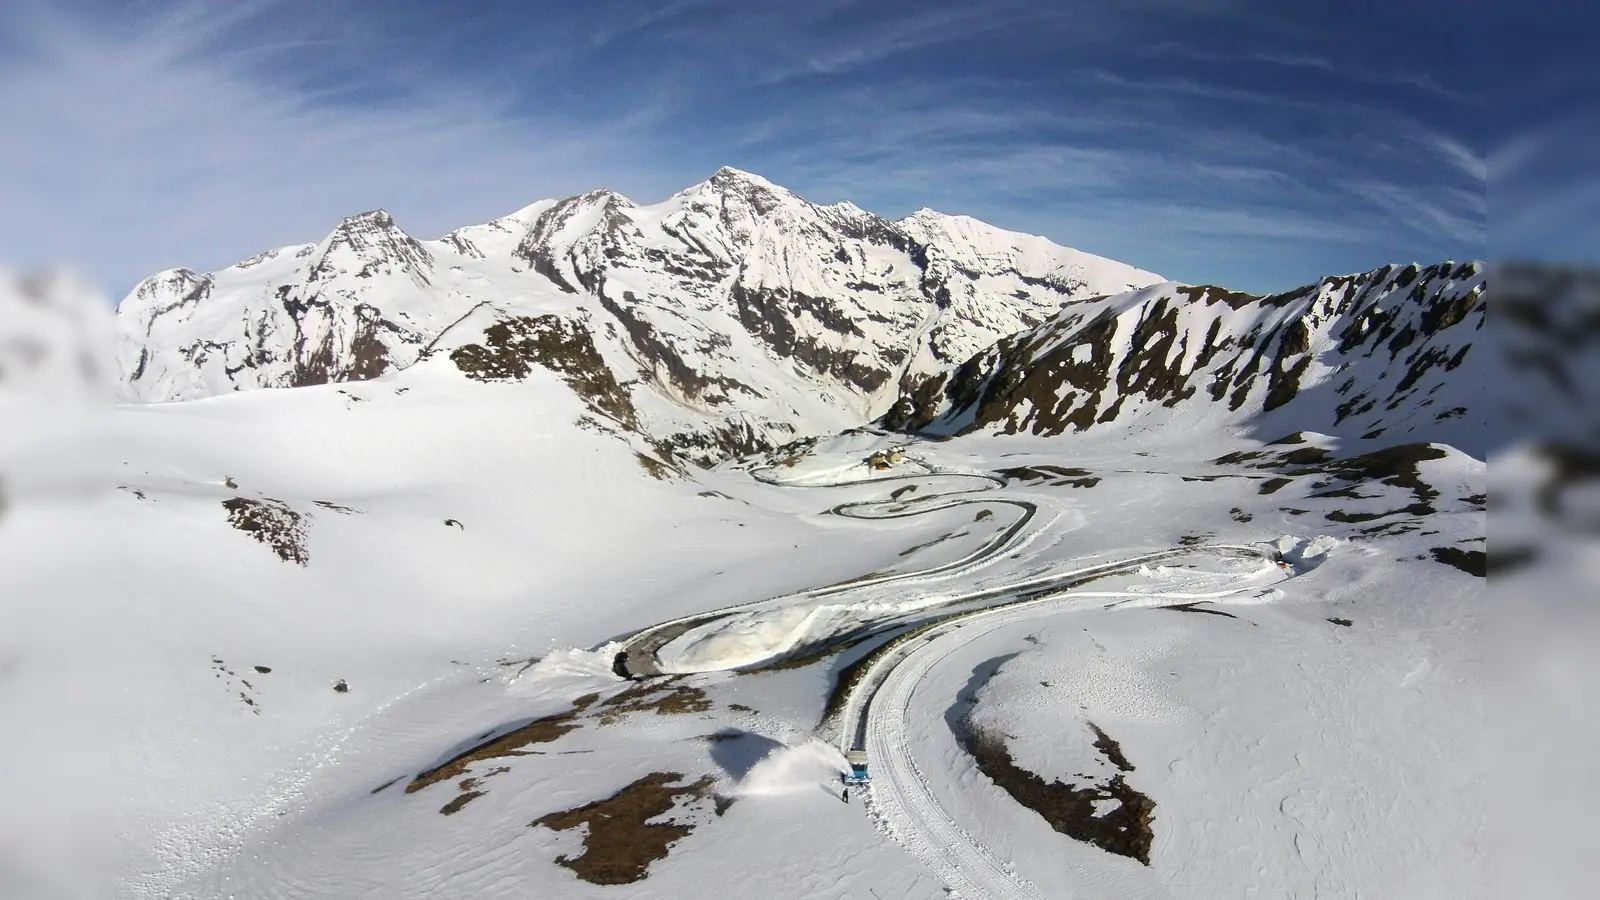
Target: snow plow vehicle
(857, 775)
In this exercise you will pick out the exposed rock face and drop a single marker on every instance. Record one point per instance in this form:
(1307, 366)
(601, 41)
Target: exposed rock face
(735, 316)
(1382, 354)
(563, 346)
(285, 318)
(735, 313)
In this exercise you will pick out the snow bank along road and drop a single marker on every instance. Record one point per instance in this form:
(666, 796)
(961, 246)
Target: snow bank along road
(876, 718)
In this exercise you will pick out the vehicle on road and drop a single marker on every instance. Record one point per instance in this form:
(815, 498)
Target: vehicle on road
(857, 775)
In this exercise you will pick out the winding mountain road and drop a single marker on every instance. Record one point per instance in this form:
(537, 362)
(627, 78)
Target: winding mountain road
(876, 716)
(638, 658)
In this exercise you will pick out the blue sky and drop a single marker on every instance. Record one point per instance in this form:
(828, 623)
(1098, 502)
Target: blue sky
(1255, 145)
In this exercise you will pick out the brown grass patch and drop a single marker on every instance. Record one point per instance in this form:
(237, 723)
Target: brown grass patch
(1110, 749)
(620, 842)
(539, 731)
(1273, 485)
(335, 507)
(662, 696)
(933, 543)
(454, 806)
(1068, 808)
(655, 468)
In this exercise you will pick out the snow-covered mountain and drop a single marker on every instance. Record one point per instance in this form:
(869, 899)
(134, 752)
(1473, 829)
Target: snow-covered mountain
(1380, 355)
(423, 626)
(730, 316)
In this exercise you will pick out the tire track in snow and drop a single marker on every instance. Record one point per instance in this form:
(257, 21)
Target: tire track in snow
(900, 798)
(912, 816)
(209, 839)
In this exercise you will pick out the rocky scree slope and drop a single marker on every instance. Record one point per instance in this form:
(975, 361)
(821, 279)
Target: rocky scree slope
(1384, 355)
(732, 316)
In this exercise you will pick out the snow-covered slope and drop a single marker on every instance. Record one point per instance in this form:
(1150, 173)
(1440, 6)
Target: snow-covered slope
(733, 314)
(343, 621)
(447, 619)
(376, 639)
(1381, 355)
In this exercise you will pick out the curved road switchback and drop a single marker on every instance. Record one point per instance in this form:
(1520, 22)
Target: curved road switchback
(638, 659)
(876, 714)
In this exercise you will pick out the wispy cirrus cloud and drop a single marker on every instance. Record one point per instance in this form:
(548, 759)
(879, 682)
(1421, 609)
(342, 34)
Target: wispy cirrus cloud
(1455, 213)
(197, 134)
(896, 36)
(181, 141)
(1365, 73)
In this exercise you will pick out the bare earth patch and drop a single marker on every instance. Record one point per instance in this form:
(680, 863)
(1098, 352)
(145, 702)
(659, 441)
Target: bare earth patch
(1472, 562)
(1055, 476)
(512, 743)
(620, 840)
(662, 696)
(933, 543)
(454, 806)
(655, 468)
(1069, 808)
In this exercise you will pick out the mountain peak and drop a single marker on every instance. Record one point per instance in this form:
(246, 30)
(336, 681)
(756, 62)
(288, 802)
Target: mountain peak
(371, 220)
(730, 175)
(379, 244)
(729, 181)
(739, 310)
(606, 195)
(927, 216)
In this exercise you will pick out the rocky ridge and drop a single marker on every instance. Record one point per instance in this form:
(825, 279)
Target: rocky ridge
(734, 314)
(1379, 355)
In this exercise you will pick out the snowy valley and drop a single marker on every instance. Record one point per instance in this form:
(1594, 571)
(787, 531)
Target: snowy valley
(569, 555)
